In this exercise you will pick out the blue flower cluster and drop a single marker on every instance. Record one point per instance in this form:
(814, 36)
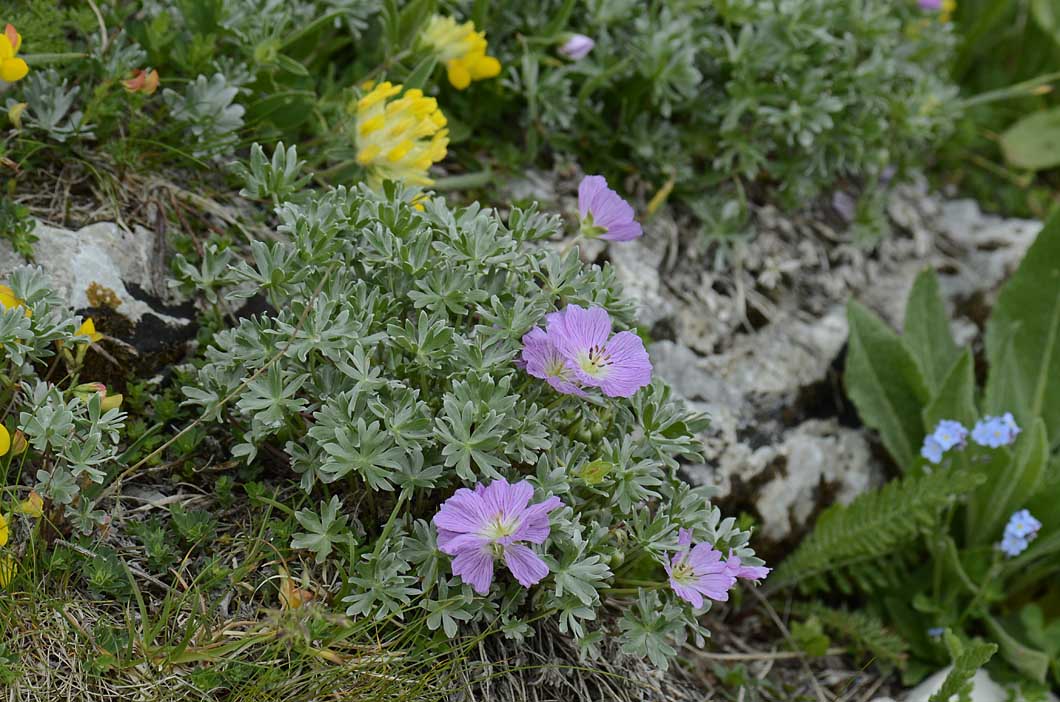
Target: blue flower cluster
(992, 432)
(1022, 528)
(995, 431)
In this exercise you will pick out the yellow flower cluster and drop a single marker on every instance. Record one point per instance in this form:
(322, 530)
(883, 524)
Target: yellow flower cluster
(461, 49)
(12, 68)
(398, 138)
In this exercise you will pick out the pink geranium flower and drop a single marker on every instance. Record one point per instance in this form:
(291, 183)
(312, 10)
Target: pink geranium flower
(618, 364)
(476, 527)
(746, 572)
(699, 572)
(604, 213)
(578, 351)
(543, 360)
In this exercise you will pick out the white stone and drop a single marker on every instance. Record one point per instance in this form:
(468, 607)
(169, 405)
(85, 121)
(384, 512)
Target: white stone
(102, 253)
(984, 689)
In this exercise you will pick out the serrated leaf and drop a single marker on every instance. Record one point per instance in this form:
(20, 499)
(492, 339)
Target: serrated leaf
(885, 383)
(1023, 338)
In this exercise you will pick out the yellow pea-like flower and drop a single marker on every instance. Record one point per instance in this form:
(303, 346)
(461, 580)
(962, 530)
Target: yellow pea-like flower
(4, 531)
(88, 328)
(5, 443)
(399, 138)
(461, 49)
(8, 301)
(12, 68)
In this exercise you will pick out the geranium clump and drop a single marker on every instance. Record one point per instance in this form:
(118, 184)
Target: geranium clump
(461, 49)
(577, 350)
(479, 526)
(399, 138)
(408, 339)
(12, 68)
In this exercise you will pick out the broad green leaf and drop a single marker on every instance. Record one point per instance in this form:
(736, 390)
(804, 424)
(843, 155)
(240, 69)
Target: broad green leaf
(1034, 141)
(1011, 485)
(927, 330)
(1047, 14)
(1031, 662)
(885, 384)
(955, 396)
(1023, 338)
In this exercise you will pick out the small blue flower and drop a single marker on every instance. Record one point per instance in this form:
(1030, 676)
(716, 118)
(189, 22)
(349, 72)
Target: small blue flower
(1013, 545)
(995, 431)
(1021, 530)
(1023, 524)
(949, 433)
(931, 450)
(936, 632)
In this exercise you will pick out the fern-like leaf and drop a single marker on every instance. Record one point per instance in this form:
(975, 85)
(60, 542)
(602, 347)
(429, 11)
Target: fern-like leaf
(968, 658)
(865, 632)
(849, 541)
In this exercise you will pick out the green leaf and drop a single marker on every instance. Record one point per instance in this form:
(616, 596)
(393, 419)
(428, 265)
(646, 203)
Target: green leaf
(291, 66)
(885, 383)
(850, 540)
(968, 658)
(809, 637)
(1047, 15)
(1023, 338)
(1009, 488)
(1031, 662)
(927, 330)
(955, 397)
(422, 72)
(1034, 141)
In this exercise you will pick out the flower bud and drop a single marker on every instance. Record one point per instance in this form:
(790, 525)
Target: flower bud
(576, 47)
(142, 81)
(111, 402)
(18, 443)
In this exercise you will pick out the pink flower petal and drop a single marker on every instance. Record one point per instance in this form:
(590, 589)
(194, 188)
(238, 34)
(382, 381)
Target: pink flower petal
(507, 500)
(578, 329)
(475, 567)
(525, 565)
(452, 543)
(464, 512)
(629, 369)
(535, 527)
(588, 190)
(688, 594)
